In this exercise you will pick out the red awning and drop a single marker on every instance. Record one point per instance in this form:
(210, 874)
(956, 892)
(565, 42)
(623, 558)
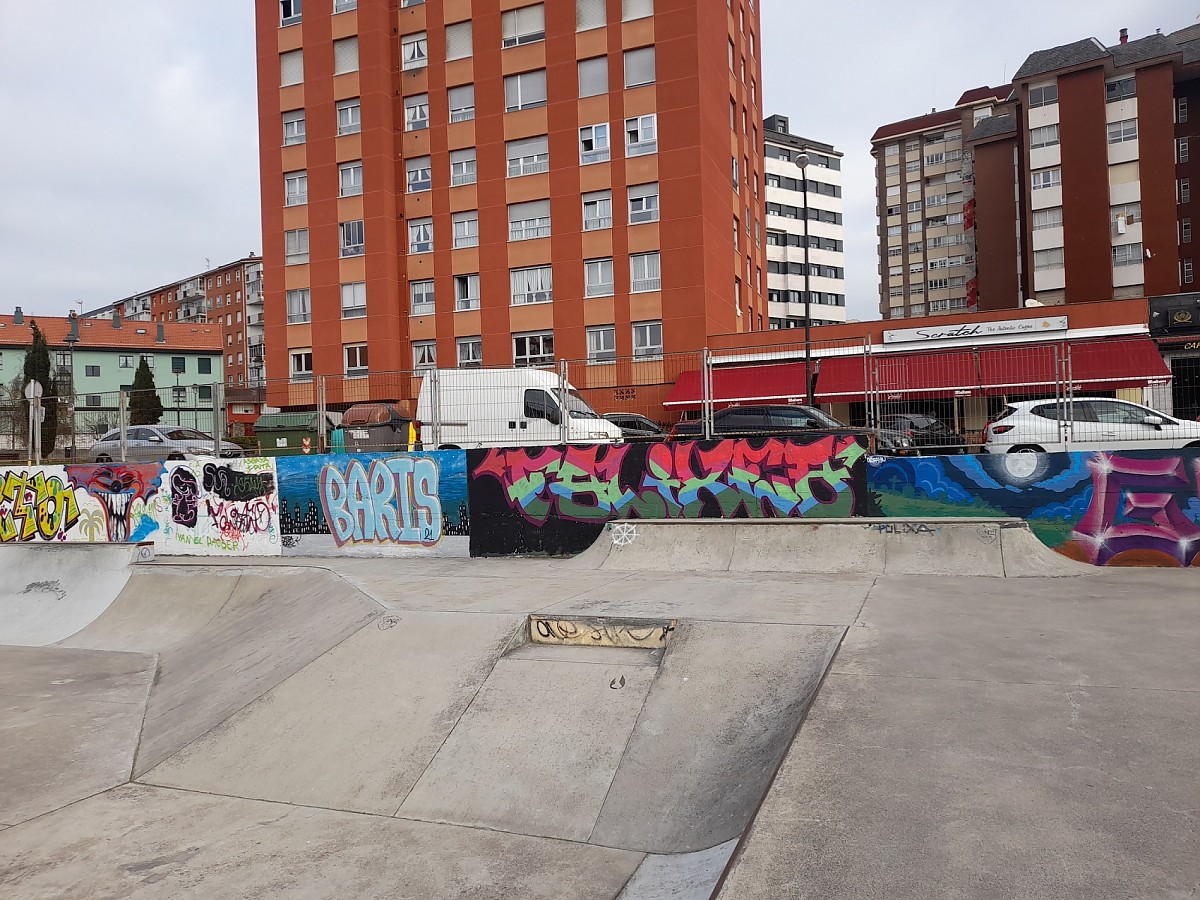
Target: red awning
(843, 379)
(1094, 366)
(778, 383)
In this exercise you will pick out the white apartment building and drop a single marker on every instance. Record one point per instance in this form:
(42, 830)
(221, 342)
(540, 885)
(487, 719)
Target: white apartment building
(791, 221)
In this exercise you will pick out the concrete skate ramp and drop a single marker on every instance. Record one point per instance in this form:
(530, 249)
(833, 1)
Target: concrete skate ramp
(274, 623)
(48, 592)
(983, 547)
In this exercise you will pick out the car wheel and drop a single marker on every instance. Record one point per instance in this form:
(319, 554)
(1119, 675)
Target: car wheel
(103, 458)
(1027, 448)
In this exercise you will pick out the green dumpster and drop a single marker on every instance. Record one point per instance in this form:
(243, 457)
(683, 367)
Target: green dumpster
(290, 434)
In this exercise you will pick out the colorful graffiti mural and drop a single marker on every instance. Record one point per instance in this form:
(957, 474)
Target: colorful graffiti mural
(1107, 509)
(375, 503)
(535, 500)
(36, 504)
(123, 491)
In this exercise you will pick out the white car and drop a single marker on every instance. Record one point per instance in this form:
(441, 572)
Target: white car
(1086, 423)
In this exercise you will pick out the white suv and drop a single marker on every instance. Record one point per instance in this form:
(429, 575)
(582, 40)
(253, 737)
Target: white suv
(1086, 423)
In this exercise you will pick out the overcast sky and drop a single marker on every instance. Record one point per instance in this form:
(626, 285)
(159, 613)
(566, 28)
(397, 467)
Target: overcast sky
(128, 150)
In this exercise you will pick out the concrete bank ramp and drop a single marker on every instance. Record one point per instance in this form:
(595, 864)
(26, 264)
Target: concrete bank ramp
(49, 591)
(982, 547)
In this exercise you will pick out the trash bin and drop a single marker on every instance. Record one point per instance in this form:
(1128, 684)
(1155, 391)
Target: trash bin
(377, 427)
(290, 434)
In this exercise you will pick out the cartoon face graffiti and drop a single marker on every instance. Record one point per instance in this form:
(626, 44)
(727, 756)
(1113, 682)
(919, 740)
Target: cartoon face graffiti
(118, 487)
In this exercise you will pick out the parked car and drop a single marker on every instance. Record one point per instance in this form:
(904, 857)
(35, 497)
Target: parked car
(151, 442)
(635, 427)
(507, 408)
(1090, 423)
(928, 433)
(783, 421)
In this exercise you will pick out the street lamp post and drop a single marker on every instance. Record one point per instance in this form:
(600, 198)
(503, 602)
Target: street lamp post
(802, 164)
(72, 339)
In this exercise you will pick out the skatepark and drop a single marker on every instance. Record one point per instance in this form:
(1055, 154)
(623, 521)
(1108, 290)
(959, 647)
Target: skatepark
(684, 710)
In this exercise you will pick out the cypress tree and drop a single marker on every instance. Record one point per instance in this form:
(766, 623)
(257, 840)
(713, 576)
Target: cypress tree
(37, 368)
(145, 407)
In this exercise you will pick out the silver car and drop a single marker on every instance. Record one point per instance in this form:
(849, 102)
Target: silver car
(151, 442)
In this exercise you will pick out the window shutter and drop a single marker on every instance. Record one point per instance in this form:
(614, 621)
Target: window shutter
(528, 147)
(534, 209)
(458, 40)
(593, 76)
(636, 9)
(345, 56)
(639, 66)
(589, 14)
(291, 66)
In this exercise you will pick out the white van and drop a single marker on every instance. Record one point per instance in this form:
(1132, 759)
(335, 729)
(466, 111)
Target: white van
(505, 408)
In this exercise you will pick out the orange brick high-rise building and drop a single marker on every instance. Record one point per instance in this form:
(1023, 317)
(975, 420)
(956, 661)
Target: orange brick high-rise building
(500, 182)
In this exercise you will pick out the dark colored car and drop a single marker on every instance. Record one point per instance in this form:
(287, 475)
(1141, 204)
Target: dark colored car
(928, 433)
(635, 427)
(783, 421)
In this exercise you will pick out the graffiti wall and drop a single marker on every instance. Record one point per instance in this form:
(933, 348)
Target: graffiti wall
(1107, 509)
(555, 500)
(375, 504)
(189, 507)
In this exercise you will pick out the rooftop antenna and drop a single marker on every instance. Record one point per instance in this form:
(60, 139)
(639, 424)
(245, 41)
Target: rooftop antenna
(207, 264)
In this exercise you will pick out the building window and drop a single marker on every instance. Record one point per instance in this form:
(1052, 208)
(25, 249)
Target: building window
(462, 166)
(1048, 259)
(295, 188)
(350, 179)
(458, 40)
(93, 400)
(414, 51)
(204, 365)
(637, 9)
(291, 68)
(420, 295)
(466, 292)
(424, 354)
(645, 272)
(1181, 110)
(533, 349)
(356, 359)
(470, 352)
(1125, 130)
(639, 67)
(419, 174)
(289, 12)
(462, 103)
(589, 14)
(643, 203)
(527, 221)
(1185, 190)
(593, 144)
(295, 247)
(349, 116)
(466, 229)
(597, 210)
(1121, 89)
(1187, 271)
(340, 6)
(526, 25)
(529, 156)
(293, 127)
(354, 300)
(593, 76)
(1043, 96)
(1124, 215)
(602, 343)
(352, 238)
(647, 339)
(150, 361)
(298, 309)
(532, 285)
(641, 135)
(598, 277)
(416, 112)
(1181, 150)
(125, 361)
(1047, 178)
(1127, 255)
(1185, 230)
(345, 56)
(1047, 136)
(420, 236)
(525, 90)
(91, 371)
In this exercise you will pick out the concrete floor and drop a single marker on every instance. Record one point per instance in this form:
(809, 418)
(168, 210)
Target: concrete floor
(357, 729)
